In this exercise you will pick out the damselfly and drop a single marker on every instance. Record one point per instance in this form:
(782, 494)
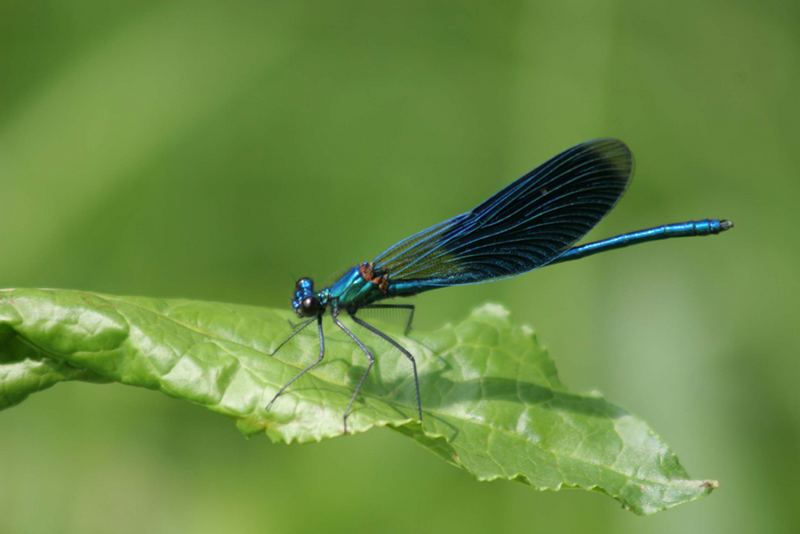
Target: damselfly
(533, 222)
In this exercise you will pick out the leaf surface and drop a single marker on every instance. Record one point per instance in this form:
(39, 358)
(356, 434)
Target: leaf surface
(493, 403)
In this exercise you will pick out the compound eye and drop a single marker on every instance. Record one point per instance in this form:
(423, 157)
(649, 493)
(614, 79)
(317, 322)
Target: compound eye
(304, 283)
(310, 306)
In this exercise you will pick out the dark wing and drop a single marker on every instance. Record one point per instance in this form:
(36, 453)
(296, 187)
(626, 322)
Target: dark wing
(524, 226)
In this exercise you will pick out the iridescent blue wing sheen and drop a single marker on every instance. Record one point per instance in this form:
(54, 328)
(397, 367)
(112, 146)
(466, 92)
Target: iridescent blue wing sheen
(522, 227)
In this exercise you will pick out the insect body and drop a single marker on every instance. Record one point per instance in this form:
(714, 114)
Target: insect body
(533, 222)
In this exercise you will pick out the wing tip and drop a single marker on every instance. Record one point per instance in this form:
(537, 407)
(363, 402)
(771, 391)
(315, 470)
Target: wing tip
(613, 151)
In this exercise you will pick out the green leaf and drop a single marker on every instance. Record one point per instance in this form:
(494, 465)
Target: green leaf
(493, 403)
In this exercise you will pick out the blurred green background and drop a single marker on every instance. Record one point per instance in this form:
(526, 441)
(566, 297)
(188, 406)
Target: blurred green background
(218, 151)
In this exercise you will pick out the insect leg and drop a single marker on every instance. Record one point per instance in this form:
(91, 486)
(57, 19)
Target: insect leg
(371, 358)
(409, 307)
(309, 367)
(402, 349)
(298, 329)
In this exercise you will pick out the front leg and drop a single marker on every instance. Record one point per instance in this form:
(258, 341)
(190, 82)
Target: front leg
(306, 369)
(297, 329)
